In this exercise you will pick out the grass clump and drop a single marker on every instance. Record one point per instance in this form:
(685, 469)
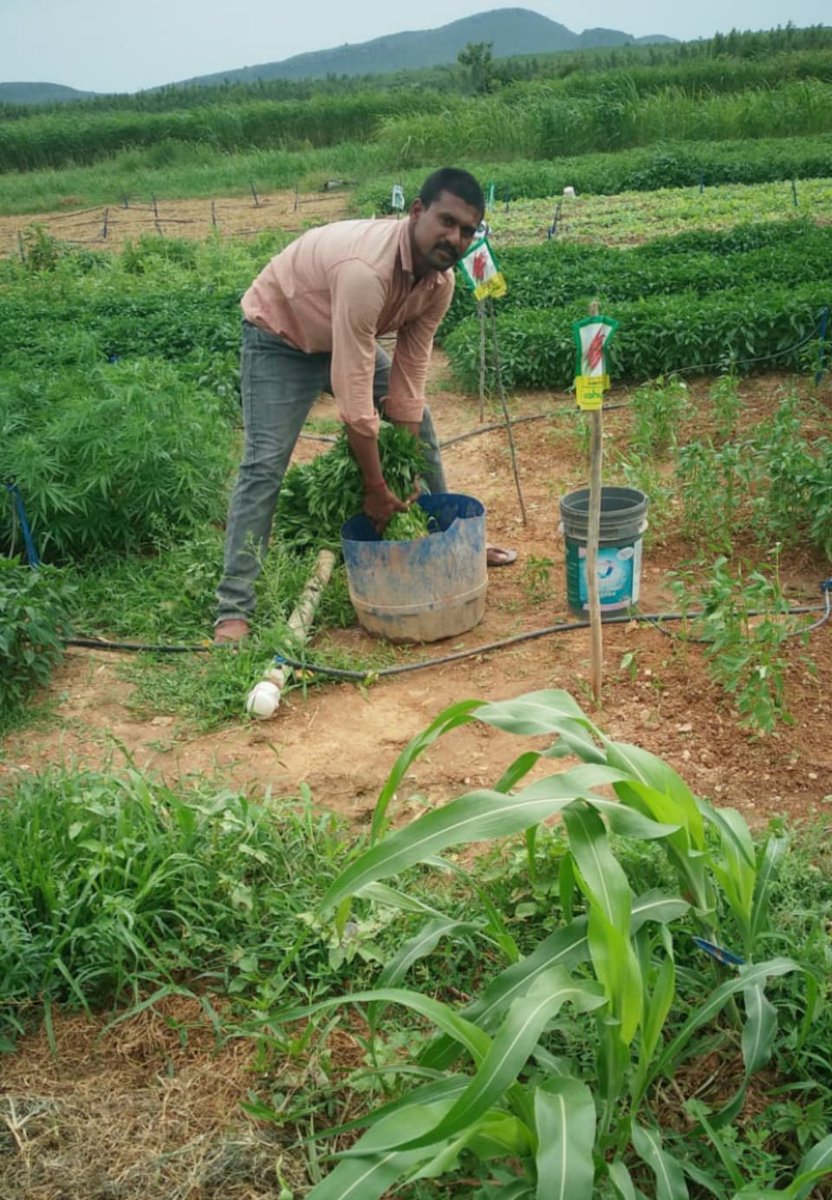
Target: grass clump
(113, 885)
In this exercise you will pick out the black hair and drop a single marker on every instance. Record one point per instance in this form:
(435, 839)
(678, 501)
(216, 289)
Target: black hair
(452, 179)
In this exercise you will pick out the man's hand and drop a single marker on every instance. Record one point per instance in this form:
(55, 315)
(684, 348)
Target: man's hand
(381, 505)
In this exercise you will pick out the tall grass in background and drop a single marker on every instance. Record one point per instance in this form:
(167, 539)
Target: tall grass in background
(537, 122)
(530, 120)
(59, 139)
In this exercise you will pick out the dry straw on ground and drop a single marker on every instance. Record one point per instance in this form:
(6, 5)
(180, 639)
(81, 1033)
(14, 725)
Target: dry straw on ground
(147, 1111)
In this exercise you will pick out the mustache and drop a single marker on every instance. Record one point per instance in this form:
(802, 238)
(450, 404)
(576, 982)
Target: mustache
(447, 249)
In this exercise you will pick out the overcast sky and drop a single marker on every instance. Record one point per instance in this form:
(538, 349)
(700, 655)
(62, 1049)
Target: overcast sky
(127, 45)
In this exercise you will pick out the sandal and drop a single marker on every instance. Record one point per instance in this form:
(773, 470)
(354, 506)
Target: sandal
(497, 557)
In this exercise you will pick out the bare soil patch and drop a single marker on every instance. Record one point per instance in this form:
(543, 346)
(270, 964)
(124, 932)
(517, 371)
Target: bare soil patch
(108, 227)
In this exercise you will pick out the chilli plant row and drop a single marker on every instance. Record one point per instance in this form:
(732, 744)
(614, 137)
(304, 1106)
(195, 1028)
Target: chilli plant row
(553, 274)
(548, 1080)
(668, 165)
(170, 323)
(741, 331)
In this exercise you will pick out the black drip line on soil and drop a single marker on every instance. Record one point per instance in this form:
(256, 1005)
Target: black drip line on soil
(658, 620)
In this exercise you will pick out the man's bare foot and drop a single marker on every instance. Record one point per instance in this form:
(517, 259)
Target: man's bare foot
(231, 632)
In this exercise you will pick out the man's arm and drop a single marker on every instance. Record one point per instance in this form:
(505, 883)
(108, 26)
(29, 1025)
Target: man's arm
(411, 359)
(357, 299)
(380, 504)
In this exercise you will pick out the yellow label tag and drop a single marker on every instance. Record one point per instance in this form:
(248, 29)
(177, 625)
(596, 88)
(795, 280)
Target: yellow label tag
(495, 287)
(589, 391)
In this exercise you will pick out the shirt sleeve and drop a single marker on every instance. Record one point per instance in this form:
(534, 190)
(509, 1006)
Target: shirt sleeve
(406, 400)
(357, 301)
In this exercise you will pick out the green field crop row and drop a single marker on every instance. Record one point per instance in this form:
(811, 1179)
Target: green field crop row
(631, 217)
(532, 120)
(535, 123)
(176, 170)
(170, 323)
(734, 330)
(555, 274)
(54, 140)
(671, 165)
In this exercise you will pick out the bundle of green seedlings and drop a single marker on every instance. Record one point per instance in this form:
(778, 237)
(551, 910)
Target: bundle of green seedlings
(318, 497)
(408, 526)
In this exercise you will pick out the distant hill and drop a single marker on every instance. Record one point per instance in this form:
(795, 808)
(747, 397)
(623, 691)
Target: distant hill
(511, 31)
(39, 93)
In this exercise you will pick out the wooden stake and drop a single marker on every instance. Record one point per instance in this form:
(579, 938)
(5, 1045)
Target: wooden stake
(498, 371)
(596, 647)
(481, 315)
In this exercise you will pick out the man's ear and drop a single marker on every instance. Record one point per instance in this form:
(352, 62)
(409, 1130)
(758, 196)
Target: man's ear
(417, 208)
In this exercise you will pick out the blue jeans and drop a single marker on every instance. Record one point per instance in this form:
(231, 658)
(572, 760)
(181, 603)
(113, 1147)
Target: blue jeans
(279, 385)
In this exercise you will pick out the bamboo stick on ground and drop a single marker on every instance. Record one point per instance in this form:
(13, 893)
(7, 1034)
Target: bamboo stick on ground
(264, 698)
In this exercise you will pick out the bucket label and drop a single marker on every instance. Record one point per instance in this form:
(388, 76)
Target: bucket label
(618, 570)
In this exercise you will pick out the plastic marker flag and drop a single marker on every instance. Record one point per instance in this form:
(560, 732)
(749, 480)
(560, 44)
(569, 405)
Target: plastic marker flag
(397, 198)
(480, 269)
(592, 336)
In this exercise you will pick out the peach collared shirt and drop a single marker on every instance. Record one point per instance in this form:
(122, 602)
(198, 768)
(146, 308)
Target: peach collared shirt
(335, 290)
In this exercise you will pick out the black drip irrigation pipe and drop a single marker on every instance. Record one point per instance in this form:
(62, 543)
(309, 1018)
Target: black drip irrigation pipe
(655, 619)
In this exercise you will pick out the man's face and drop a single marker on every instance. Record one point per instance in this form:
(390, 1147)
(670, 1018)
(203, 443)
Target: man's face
(441, 232)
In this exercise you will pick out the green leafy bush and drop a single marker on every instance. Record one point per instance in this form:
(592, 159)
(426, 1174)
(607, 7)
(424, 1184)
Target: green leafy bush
(554, 273)
(745, 627)
(33, 626)
(109, 456)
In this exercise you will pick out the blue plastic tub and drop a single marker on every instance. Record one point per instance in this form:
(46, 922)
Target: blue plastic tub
(424, 590)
